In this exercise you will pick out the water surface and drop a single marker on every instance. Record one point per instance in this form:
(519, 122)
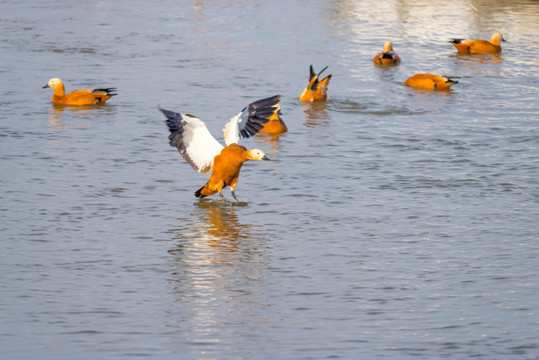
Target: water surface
(391, 223)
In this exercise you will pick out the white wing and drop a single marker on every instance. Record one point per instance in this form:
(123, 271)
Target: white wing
(251, 119)
(231, 130)
(193, 140)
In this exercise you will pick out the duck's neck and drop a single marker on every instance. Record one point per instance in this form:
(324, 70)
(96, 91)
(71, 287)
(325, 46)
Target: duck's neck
(496, 40)
(59, 90)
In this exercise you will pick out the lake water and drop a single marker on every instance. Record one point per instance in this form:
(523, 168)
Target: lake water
(392, 223)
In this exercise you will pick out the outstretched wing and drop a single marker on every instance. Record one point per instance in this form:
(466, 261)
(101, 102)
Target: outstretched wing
(251, 119)
(193, 140)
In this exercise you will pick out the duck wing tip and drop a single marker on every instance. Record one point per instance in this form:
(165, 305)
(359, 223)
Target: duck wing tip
(112, 91)
(190, 136)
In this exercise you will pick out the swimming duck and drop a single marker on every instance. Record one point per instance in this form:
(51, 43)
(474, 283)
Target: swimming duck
(78, 97)
(388, 56)
(479, 46)
(316, 90)
(430, 82)
(275, 124)
(204, 153)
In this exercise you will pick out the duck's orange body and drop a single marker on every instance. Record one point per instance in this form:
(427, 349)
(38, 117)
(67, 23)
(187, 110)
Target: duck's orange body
(388, 56)
(226, 170)
(316, 90)
(275, 124)
(78, 97)
(479, 46)
(430, 82)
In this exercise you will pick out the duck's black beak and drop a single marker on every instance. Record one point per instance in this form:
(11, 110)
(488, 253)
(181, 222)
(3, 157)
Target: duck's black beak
(46, 86)
(265, 157)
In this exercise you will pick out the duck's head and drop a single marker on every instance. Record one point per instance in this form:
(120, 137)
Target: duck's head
(53, 83)
(496, 39)
(256, 154)
(388, 46)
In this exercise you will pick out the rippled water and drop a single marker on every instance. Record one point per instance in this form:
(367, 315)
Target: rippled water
(391, 223)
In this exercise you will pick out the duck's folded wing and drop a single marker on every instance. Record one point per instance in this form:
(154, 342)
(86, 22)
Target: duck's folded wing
(251, 119)
(389, 55)
(194, 142)
(107, 91)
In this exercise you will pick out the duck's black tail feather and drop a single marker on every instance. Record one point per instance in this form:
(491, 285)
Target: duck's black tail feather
(199, 194)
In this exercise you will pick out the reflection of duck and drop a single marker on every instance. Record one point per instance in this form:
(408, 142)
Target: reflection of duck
(215, 264)
(430, 101)
(78, 97)
(476, 62)
(55, 116)
(430, 82)
(221, 224)
(273, 140)
(474, 46)
(215, 234)
(315, 113)
(56, 112)
(388, 56)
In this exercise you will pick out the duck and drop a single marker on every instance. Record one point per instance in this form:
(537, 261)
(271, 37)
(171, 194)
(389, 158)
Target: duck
(78, 97)
(430, 82)
(388, 56)
(479, 46)
(316, 89)
(275, 124)
(205, 154)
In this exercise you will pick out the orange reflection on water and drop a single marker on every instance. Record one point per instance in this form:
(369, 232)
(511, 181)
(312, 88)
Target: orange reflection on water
(479, 62)
(216, 262)
(215, 235)
(55, 117)
(271, 140)
(58, 111)
(315, 113)
(431, 100)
